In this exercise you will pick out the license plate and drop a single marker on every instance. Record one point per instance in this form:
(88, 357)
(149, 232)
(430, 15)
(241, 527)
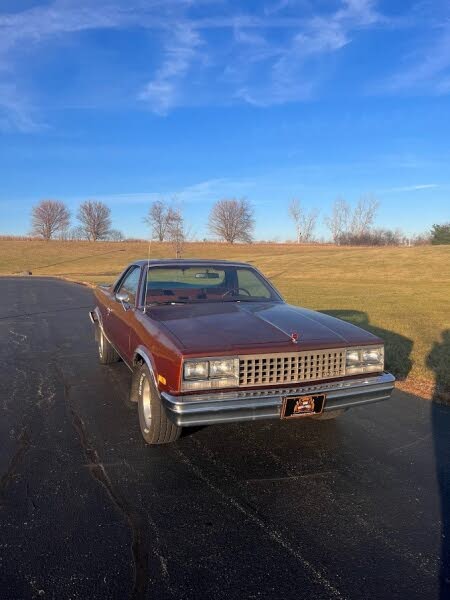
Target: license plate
(302, 406)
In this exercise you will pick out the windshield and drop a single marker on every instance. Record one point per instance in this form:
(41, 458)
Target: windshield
(174, 285)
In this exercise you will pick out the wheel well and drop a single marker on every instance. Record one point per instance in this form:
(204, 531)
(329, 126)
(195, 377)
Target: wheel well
(138, 360)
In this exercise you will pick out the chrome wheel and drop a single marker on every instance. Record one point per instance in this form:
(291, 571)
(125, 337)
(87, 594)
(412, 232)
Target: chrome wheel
(147, 404)
(156, 427)
(101, 344)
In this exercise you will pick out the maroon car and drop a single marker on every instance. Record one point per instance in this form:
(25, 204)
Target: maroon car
(212, 341)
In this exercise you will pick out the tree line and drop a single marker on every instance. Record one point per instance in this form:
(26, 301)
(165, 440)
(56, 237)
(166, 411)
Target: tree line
(51, 218)
(230, 220)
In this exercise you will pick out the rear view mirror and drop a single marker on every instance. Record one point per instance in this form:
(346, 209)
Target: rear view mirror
(207, 275)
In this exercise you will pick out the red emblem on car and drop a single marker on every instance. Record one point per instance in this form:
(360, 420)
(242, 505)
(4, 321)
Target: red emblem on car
(294, 337)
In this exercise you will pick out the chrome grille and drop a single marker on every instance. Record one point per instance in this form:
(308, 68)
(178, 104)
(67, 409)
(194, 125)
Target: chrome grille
(292, 367)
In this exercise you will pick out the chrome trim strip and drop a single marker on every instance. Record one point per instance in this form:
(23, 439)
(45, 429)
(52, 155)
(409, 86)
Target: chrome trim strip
(204, 409)
(316, 388)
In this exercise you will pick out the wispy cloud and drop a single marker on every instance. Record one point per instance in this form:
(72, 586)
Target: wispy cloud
(236, 54)
(410, 188)
(15, 112)
(289, 78)
(428, 71)
(38, 23)
(263, 69)
(423, 68)
(275, 6)
(35, 26)
(180, 53)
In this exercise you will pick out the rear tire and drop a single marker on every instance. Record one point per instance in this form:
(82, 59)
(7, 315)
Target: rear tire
(156, 427)
(330, 415)
(106, 353)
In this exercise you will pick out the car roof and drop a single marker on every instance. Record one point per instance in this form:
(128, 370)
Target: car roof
(183, 262)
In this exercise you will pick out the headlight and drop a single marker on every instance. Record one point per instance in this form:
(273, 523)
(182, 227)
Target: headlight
(201, 374)
(221, 368)
(353, 358)
(373, 356)
(364, 360)
(196, 369)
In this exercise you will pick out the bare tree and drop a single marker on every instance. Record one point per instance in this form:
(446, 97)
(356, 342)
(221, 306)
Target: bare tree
(95, 220)
(159, 218)
(305, 222)
(115, 235)
(49, 217)
(77, 233)
(309, 224)
(295, 212)
(232, 220)
(177, 231)
(347, 226)
(339, 221)
(364, 215)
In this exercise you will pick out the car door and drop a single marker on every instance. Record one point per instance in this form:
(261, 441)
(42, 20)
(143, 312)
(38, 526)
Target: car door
(121, 312)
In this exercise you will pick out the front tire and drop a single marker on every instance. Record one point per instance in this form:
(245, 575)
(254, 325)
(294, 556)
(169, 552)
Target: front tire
(156, 427)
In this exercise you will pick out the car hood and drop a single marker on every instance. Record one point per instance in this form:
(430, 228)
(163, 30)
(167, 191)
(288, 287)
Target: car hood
(243, 326)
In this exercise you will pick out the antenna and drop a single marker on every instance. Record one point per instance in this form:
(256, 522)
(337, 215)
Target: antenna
(146, 275)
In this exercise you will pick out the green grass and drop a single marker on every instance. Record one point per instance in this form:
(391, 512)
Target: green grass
(401, 294)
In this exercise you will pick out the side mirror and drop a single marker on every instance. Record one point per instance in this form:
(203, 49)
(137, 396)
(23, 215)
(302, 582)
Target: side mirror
(124, 299)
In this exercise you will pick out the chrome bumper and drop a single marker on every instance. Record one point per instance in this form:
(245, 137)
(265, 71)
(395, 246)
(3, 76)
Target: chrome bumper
(250, 405)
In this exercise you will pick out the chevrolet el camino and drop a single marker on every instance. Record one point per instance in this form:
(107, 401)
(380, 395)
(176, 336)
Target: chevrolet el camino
(212, 341)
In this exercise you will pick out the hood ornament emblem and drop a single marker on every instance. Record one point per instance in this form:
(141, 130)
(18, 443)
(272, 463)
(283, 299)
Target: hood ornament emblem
(294, 337)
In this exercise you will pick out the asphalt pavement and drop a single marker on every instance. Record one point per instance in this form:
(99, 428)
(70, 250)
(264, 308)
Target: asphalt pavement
(358, 508)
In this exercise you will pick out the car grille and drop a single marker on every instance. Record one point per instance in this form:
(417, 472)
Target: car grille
(293, 367)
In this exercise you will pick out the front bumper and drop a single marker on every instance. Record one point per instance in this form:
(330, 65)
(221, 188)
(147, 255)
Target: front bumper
(250, 405)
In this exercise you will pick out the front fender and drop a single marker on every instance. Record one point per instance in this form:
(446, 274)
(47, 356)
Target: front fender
(148, 359)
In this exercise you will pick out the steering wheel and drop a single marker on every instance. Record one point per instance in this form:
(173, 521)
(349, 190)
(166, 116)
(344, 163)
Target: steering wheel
(236, 289)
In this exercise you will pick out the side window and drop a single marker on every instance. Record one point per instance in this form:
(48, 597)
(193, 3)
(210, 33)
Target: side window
(130, 284)
(251, 282)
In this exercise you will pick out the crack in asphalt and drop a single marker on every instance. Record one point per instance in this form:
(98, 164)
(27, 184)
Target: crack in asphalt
(139, 547)
(10, 400)
(138, 524)
(24, 439)
(45, 396)
(24, 443)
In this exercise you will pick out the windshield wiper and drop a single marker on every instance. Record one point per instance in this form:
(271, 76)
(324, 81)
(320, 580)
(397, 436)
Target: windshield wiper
(204, 301)
(167, 303)
(246, 299)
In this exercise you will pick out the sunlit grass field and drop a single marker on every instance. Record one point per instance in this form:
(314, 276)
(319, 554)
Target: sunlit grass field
(401, 294)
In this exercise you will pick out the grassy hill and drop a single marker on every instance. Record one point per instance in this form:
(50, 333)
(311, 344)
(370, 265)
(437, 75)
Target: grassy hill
(401, 294)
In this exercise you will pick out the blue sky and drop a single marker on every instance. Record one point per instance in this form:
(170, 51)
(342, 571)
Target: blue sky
(131, 100)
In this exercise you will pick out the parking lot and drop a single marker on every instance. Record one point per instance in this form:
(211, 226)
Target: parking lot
(357, 508)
